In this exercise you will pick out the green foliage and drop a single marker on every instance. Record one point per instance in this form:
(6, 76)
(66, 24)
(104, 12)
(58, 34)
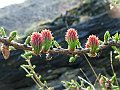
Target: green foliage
(11, 48)
(47, 45)
(12, 35)
(106, 36)
(116, 1)
(2, 31)
(113, 79)
(79, 44)
(27, 41)
(116, 51)
(88, 88)
(73, 59)
(29, 75)
(27, 55)
(71, 85)
(56, 44)
(109, 83)
(116, 37)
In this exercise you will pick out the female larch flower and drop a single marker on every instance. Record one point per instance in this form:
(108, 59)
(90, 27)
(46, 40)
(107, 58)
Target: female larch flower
(72, 39)
(36, 42)
(47, 40)
(93, 44)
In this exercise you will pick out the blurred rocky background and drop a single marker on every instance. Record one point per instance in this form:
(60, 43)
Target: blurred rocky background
(88, 17)
(24, 15)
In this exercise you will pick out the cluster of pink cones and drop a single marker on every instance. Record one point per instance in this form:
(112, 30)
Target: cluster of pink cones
(41, 42)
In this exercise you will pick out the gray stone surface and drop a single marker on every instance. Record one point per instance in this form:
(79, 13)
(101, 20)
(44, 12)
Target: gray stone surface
(21, 16)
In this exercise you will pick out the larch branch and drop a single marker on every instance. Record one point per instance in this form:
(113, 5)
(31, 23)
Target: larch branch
(57, 50)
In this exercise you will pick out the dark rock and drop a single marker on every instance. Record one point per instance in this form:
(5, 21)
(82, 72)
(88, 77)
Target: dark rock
(59, 67)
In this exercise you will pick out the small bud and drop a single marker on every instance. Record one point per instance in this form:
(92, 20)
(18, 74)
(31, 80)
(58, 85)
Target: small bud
(11, 48)
(39, 76)
(56, 44)
(117, 57)
(88, 88)
(34, 66)
(113, 79)
(93, 44)
(117, 50)
(106, 36)
(26, 66)
(2, 31)
(27, 41)
(79, 45)
(12, 35)
(116, 37)
(27, 55)
(72, 39)
(5, 51)
(73, 58)
(36, 42)
(47, 40)
(29, 75)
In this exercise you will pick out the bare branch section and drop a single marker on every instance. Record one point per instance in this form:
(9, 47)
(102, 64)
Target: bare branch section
(15, 44)
(57, 50)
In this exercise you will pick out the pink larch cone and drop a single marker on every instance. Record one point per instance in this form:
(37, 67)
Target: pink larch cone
(47, 40)
(72, 39)
(36, 42)
(93, 44)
